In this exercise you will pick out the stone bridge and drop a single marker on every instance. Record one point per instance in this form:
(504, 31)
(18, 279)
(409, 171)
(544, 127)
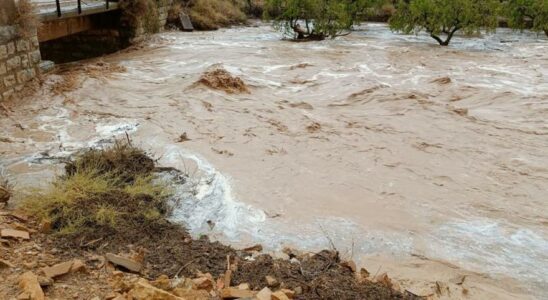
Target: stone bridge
(70, 30)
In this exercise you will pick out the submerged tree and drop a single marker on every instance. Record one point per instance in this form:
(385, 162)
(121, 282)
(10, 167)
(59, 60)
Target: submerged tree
(443, 18)
(522, 14)
(315, 19)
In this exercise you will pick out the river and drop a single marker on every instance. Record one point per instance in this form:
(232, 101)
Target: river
(426, 162)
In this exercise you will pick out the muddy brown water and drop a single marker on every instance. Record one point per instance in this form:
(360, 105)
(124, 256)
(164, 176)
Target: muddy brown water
(428, 163)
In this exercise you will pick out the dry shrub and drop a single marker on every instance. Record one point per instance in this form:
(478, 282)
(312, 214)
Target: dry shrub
(26, 19)
(140, 13)
(72, 75)
(221, 79)
(174, 11)
(103, 192)
(213, 14)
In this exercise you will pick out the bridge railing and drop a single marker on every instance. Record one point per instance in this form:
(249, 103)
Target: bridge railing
(79, 6)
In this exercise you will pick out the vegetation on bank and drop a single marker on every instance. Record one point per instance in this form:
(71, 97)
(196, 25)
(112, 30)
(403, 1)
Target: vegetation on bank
(26, 19)
(106, 191)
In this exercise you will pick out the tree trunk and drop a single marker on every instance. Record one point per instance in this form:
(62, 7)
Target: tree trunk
(448, 39)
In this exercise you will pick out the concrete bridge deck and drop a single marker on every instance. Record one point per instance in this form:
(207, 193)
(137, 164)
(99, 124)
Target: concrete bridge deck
(70, 20)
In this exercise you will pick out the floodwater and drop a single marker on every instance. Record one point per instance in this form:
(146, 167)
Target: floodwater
(425, 162)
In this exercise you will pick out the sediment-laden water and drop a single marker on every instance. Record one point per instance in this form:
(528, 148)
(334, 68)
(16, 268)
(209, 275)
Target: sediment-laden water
(425, 162)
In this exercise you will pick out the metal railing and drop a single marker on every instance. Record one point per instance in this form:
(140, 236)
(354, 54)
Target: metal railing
(79, 6)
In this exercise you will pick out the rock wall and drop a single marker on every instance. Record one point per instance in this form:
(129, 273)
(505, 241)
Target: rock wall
(19, 61)
(19, 56)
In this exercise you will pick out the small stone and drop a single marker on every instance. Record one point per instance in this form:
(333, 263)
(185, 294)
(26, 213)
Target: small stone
(384, 280)
(28, 282)
(289, 293)
(298, 290)
(78, 266)
(190, 294)
(162, 282)
(12, 233)
(279, 295)
(244, 286)
(45, 281)
(58, 269)
(255, 248)
(45, 226)
(264, 294)
(271, 281)
(5, 264)
(23, 296)
(127, 263)
(231, 293)
(203, 283)
(351, 265)
(145, 291)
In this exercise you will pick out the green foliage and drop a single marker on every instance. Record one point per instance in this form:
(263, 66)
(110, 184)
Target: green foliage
(522, 14)
(445, 17)
(315, 19)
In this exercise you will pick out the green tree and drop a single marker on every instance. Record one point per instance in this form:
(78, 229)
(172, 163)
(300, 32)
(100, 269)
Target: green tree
(315, 19)
(531, 14)
(443, 18)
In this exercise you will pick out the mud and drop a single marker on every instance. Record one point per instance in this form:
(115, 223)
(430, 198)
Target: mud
(414, 177)
(220, 79)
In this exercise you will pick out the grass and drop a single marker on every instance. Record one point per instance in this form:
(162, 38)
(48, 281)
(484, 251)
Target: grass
(213, 14)
(6, 189)
(103, 192)
(26, 19)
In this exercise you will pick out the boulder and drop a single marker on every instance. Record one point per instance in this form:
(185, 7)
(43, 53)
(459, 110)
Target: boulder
(279, 295)
(58, 269)
(264, 294)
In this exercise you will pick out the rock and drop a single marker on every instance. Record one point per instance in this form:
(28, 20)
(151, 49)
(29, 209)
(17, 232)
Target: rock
(78, 266)
(298, 290)
(351, 265)
(45, 281)
(203, 283)
(244, 286)
(162, 282)
(264, 294)
(255, 248)
(271, 281)
(234, 293)
(58, 269)
(364, 274)
(384, 280)
(12, 233)
(23, 296)
(28, 282)
(142, 290)
(190, 294)
(289, 293)
(279, 295)
(5, 264)
(125, 262)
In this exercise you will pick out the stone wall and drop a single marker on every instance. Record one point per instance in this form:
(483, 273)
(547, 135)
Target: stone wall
(19, 61)
(19, 57)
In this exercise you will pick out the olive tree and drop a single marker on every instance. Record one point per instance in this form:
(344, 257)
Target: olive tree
(523, 14)
(443, 18)
(315, 19)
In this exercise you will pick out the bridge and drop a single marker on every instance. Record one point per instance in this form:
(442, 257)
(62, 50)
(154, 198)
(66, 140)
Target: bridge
(62, 18)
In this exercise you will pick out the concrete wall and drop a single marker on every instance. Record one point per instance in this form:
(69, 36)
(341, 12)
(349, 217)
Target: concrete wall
(19, 57)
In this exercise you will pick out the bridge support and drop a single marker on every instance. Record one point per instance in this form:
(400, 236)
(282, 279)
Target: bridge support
(19, 54)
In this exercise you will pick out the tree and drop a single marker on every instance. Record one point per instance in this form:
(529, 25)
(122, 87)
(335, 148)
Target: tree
(531, 14)
(315, 19)
(443, 18)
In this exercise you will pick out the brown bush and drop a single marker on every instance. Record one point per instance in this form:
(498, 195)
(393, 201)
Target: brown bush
(213, 14)
(221, 79)
(140, 13)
